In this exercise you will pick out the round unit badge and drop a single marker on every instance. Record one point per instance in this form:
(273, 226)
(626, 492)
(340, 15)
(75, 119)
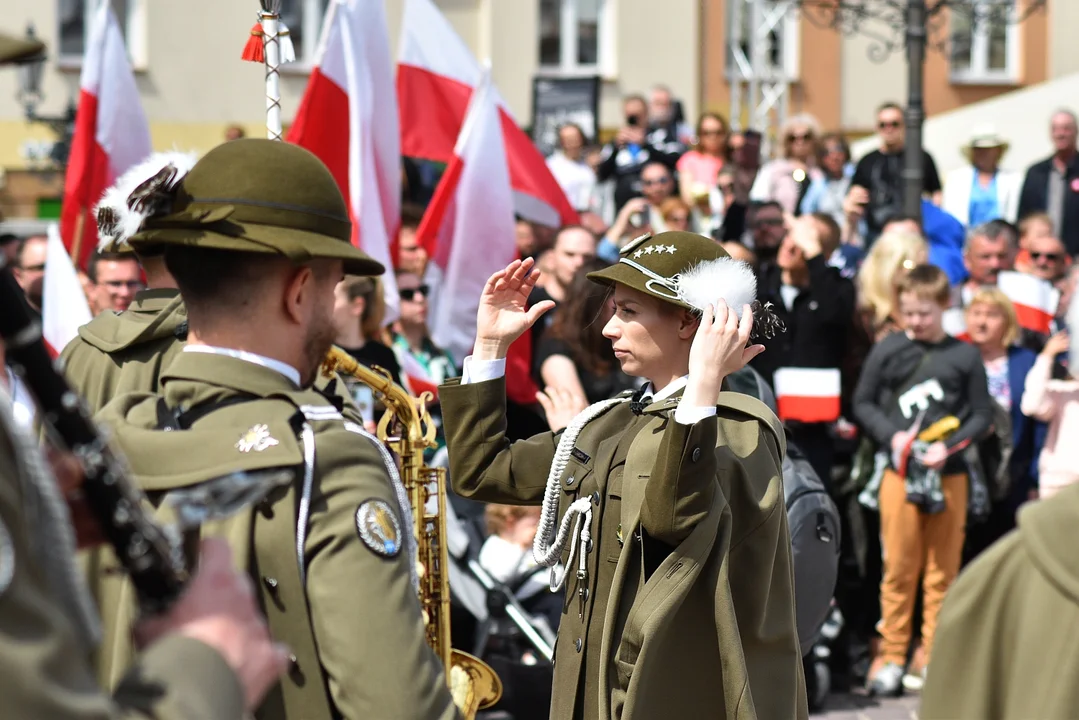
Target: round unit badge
(379, 527)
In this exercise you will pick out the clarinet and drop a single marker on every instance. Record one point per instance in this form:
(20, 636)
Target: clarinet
(152, 557)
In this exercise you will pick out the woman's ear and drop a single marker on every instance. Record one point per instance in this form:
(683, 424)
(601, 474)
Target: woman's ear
(688, 321)
(358, 307)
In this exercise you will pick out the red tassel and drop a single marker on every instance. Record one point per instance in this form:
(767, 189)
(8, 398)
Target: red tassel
(255, 50)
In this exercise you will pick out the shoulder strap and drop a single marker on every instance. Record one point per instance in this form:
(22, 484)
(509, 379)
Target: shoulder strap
(177, 419)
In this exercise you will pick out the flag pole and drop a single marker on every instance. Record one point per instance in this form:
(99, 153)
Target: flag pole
(270, 44)
(76, 245)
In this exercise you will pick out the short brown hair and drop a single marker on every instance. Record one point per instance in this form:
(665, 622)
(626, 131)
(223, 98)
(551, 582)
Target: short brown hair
(374, 307)
(927, 282)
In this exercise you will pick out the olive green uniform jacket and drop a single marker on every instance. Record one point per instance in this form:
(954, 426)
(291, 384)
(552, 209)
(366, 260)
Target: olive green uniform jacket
(353, 620)
(43, 672)
(710, 632)
(118, 353)
(1007, 642)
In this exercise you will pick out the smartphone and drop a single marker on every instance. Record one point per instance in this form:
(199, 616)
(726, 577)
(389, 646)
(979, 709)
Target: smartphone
(749, 155)
(633, 120)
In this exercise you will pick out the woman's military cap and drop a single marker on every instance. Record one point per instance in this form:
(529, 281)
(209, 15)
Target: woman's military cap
(251, 195)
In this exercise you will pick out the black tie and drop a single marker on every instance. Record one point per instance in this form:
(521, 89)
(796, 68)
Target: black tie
(639, 401)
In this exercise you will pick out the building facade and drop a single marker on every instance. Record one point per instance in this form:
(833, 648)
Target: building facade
(193, 84)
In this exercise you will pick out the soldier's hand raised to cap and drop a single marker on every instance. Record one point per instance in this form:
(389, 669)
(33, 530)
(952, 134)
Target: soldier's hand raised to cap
(718, 349)
(502, 316)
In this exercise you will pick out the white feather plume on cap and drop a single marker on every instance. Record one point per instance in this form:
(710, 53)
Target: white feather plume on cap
(137, 195)
(710, 281)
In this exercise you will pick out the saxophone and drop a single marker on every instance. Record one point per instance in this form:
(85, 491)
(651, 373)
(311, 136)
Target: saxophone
(407, 430)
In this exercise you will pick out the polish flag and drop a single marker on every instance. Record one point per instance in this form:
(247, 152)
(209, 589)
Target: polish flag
(469, 225)
(808, 394)
(436, 76)
(1035, 300)
(111, 132)
(348, 118)
(64, 308)
(955, 323)
(416, 377)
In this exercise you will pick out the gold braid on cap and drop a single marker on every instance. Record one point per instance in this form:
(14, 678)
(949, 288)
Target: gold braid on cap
(143, 192)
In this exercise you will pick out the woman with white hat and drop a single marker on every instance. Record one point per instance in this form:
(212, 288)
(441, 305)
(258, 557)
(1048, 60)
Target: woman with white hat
(983, 191)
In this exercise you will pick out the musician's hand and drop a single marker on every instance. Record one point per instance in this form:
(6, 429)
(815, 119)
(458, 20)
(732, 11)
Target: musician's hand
(218, 608)
(69, 478)
(502, 316)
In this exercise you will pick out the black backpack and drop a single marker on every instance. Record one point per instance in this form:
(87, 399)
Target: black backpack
(813, 520)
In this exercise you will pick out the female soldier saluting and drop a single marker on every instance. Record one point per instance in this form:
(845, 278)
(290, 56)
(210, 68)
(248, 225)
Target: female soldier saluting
(665, 508)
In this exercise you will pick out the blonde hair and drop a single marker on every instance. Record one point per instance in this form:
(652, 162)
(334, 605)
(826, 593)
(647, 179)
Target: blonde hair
(992, 295)
(893, 254)
(671, 204)
(805, 120)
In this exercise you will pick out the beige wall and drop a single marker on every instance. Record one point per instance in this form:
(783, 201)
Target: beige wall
(194, 84)
(1063, 48)
(866, 84)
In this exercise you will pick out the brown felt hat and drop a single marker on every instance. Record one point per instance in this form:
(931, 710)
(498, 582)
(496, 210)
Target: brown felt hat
(681, 268)
(259, 196)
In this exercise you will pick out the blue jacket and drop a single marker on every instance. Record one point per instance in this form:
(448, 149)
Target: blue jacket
(946, 236)
(1028, 434)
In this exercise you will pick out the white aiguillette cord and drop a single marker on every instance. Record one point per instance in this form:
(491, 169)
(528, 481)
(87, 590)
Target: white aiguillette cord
(547, 546)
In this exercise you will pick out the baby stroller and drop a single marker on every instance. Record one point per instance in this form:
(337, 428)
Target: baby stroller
(504, 618)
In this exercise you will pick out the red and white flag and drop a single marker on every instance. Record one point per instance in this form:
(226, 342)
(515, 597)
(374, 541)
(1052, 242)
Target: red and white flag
(416, 377)
(64, 308)
(111, 132)
(436, 75)
(1035, 300)
(348, 118)
(954, 321)
(808, 394)
(469, 225)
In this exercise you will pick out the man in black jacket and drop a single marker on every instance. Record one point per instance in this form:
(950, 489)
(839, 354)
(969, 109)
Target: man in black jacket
(816, 304)
(1052, 185)
(624, 157)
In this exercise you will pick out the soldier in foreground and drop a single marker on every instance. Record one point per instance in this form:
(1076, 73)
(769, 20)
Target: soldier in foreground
(210, 658)
(669, 509)
(257, 237)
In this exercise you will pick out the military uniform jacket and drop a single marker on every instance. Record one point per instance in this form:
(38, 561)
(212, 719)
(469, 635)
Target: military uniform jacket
(1005, 647)
(345, 605)
(633, 644)
(118, 353)
(44, 673)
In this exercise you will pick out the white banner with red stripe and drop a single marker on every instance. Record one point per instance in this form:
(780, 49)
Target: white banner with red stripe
(808, 394)
(955, 323)
(1035, 300)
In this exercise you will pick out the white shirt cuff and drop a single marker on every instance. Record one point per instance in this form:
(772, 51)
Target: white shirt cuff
(685, 415)
(481, 370)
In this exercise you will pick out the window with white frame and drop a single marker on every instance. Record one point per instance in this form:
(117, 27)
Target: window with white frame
(574, 37)
(773, 27)
(984, 41)
(303, 18)
(74, 20)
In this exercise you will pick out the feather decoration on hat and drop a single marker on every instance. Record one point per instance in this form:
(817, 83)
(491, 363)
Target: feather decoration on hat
(142, 192)
(734, 282)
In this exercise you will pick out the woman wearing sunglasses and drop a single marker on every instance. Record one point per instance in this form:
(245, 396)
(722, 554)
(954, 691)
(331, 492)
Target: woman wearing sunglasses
(787, 178)
(664, 506)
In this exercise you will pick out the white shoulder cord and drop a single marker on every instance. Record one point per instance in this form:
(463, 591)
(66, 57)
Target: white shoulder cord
(547, 546)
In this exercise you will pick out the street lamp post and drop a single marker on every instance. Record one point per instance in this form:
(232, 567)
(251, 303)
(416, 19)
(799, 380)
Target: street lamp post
(910, 24)
(29, 95)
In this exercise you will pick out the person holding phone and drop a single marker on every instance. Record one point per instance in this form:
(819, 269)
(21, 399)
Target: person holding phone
(626, 156)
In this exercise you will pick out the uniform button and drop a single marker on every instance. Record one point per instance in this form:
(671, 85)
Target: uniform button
(570, 481)
(578, 644)
(271, 583)
(696, 454)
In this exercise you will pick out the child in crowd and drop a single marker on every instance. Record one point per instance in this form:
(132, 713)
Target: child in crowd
(911, 381)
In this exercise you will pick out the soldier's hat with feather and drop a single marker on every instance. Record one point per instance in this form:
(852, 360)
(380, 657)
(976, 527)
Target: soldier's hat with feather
(690, 271)
(251, 195)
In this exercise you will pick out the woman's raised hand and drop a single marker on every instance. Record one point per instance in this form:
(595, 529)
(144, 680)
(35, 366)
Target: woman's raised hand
(504, 315)
(719, 348)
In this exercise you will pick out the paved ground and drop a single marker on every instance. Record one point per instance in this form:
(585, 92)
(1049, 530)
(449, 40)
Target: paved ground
(860, 707)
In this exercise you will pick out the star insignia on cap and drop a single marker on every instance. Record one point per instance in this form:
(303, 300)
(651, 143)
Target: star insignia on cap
(670, 249)
(638, 253)
(632, 244)
(650, 249)
(258, 438)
